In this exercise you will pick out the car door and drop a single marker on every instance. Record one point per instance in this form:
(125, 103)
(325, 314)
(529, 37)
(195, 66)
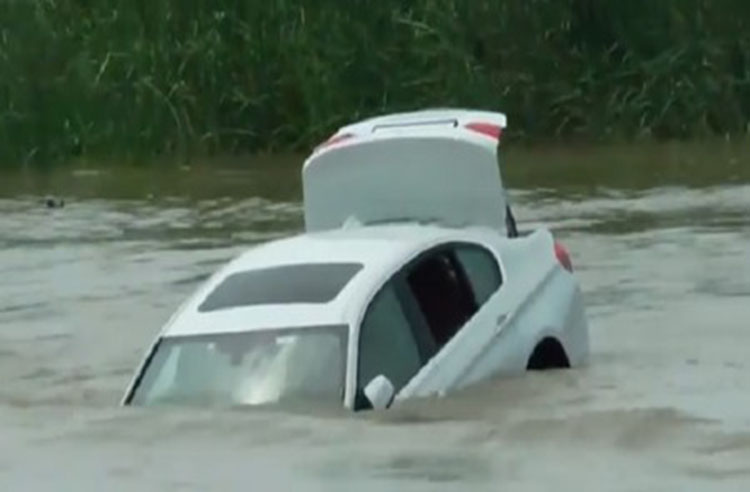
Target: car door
(420, 310)
(468, 319)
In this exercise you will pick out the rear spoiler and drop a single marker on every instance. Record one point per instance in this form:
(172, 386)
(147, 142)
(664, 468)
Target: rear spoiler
(486, 123)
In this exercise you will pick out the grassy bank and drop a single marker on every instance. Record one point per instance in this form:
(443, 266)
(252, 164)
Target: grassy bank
(177, 78)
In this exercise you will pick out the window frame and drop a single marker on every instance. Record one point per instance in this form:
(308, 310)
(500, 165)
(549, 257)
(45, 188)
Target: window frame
(452, 246)
(443, 248)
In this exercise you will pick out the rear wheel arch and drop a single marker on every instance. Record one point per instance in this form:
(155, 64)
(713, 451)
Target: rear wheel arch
(549, 353)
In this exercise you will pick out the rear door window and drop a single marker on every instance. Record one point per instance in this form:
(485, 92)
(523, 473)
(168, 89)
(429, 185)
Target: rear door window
(482, 271)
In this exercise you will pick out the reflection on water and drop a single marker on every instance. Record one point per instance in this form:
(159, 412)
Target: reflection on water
(660, 238)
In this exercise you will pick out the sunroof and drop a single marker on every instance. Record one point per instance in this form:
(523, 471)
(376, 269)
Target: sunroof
(307, 283)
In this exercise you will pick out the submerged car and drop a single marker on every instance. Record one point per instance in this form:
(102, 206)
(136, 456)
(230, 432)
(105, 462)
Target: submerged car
(409, 280)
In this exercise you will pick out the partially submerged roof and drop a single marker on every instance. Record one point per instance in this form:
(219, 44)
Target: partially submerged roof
(341, 267)
(436, 166)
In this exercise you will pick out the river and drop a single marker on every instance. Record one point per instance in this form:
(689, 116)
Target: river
(660, 239)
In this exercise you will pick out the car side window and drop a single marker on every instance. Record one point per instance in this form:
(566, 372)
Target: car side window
(482, 271)
(439, 287)
(386, 342)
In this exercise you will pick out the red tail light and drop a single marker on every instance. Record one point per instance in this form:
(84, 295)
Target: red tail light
(334, 140)
(563, 257)
(488, 129)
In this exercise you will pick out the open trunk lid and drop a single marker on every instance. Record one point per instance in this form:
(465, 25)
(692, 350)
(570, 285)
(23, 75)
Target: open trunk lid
(437, 166)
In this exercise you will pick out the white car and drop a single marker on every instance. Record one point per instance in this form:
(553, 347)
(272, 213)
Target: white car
(409, 280)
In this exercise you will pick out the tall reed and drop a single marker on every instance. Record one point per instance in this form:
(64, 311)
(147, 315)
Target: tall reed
(121, 79)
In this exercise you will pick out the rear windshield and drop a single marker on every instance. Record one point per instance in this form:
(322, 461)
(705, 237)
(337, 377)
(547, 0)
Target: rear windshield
(308, 283)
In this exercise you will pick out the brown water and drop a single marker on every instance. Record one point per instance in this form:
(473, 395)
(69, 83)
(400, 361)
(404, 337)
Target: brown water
(660, 237)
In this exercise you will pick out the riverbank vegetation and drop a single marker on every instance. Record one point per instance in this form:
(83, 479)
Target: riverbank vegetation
(154, 79)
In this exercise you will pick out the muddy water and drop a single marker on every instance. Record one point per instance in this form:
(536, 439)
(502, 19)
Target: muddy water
(660, 237)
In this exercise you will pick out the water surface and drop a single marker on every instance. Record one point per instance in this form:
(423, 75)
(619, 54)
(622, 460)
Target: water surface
(660, 238)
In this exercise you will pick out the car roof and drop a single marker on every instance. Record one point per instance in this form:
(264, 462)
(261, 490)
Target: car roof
(379, 249)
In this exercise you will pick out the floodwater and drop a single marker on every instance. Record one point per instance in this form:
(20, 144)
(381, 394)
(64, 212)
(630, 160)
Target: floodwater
(660, 237)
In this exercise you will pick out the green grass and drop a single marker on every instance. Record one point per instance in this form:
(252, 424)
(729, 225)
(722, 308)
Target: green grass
(171, 79)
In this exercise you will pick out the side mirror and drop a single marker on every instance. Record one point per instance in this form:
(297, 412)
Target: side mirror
(380, 392)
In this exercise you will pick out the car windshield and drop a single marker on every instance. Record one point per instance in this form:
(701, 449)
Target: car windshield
(248, 368)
